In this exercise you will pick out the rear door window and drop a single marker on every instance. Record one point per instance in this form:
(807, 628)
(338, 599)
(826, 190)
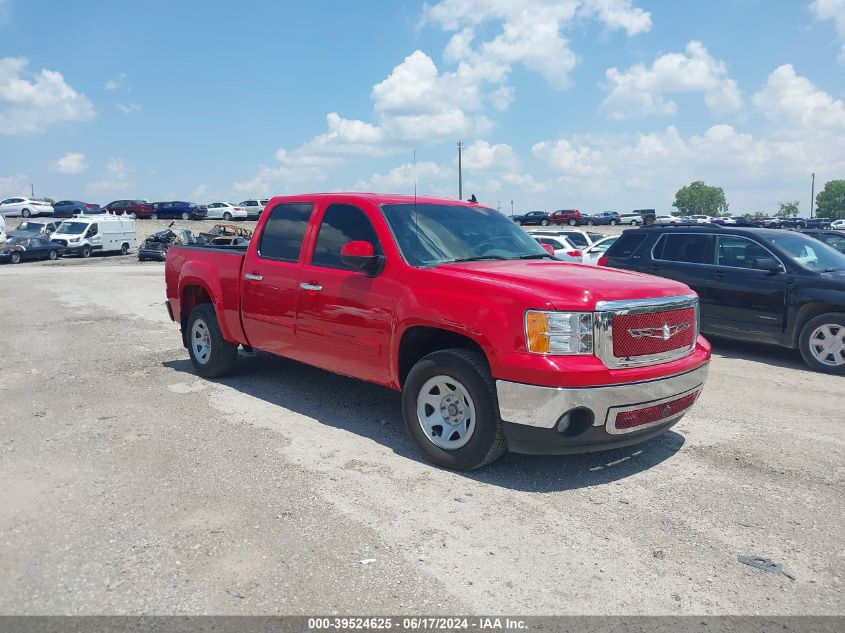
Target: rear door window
(627, 244)
(284, 231)
(687, 248)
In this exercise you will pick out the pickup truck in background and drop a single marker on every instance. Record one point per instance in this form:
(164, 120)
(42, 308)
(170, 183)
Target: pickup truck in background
(494, 343)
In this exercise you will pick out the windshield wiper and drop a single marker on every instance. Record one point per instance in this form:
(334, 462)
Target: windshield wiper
(477, 258)
(536, 256)
(832, 270)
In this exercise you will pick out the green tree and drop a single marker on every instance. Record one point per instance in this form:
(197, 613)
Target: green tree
(830, 201)
(700, 199)
(787, 209)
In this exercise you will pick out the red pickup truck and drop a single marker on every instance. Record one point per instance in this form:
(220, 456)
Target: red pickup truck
(494, 344)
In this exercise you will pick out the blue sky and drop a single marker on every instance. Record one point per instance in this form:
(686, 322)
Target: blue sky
(592, 104)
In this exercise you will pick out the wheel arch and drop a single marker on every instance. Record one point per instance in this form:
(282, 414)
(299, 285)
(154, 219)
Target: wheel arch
(810, 311)
(420, 340)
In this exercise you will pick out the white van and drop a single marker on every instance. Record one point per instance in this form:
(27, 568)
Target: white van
(86, 234)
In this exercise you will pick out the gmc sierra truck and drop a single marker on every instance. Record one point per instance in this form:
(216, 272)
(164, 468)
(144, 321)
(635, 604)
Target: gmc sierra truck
(494, 344)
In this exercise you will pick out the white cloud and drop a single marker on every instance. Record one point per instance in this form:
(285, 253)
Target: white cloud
(114, 84)
(481, 156)
(13, 185)
(199, 194)
(620, 14)
(129, 108)
(833, 10)
(795, 105)
(117, 178)
(31, 105)
(71, 163)
(429, 178)
(640, 90)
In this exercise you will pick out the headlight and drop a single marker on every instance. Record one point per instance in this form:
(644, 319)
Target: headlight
(74, 239)
(564, 333)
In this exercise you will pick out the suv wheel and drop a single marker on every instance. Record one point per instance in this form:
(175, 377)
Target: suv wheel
(186, 216)
(124, 248)
(822, 343)
(211, 355)
(573, 222)
(450, 410)
(613, 223)
(544, 222)
(634, 223)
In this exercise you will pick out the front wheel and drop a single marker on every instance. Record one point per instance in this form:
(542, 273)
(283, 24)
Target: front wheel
(822, 343)
(613, 223)
(16, 258)
(544, 222)
(186, 216)
(573, 222)
(211, 354)
(124, 249)
(451, 411)
(52, 254)
(519, 222)
(227, 216)
(26, 213)
(85, 252)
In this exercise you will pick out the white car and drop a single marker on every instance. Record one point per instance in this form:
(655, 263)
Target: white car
(25, 207)
(668, 219)
(254, 207)
(838, 224)
(225, 211)
(634, 219)
(564, 249)
(576, 237)
(701, 219)
(592, 254)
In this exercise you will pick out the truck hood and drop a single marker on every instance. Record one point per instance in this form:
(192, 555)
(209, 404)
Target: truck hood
(567, 286)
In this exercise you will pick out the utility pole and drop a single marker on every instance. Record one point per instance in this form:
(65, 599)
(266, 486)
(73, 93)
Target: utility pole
(511, 207)
(812, 194)
(460, 173)
(32, 190)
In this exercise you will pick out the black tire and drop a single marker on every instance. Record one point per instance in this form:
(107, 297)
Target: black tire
(487, 442)
(834, 319)
(227, 216)
(186, 216)
(85, 252)
(154, 216)
(124, 249)
(222, 356)
(519, 222)
(52, 254)
(544, 222)
(16, 258)
(26, 213)
(634, 223)
(573, 222)
(613, 223)
(590, 223)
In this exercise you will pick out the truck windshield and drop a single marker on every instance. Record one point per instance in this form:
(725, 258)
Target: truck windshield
(431, 234)
(72, 228)
(808, 252)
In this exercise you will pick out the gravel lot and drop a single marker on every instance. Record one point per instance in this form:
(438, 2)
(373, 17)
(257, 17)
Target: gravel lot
(128, 485)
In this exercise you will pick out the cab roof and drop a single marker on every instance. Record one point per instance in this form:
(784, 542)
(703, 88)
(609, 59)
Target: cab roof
(375, 198)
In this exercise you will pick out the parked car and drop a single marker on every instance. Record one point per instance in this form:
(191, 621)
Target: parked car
(611, 218)
(577, 237)
(532, 218)
(648, 215)
(21, 248)
(831, 237)
(838, 224)
(494, 344)
(25, 207)
(254, 207)
(69, 208)
(224, 230)
(778, 287)
(563, 248)
(793, 223)
(634, 219)
(133, 208)
(591, 254)
(572, 217)
(179, 209)
(85, 235)
(29, 228)
(723, 220)
(156, 245)
(700, 219)
(671, 219)
(819, 223)
(226, 211)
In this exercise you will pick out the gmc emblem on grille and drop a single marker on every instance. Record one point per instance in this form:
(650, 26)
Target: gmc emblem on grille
(666, 332)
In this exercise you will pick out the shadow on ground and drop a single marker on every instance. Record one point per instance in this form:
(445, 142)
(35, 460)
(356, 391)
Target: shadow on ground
(774, 355)
(375, 412)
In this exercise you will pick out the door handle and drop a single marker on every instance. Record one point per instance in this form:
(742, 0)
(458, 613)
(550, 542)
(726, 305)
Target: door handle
(253, 277)
(311, 287)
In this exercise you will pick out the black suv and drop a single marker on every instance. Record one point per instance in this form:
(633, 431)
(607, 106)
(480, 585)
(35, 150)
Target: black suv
(762, 285)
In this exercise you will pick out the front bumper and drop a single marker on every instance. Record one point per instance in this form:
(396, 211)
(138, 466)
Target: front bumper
(553, 420)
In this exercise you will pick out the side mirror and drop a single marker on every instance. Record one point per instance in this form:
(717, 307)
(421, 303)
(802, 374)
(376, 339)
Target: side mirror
(548, 248)
(769, 264)
(361, 255)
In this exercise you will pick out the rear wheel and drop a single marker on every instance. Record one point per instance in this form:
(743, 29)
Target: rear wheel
(86, 251)
(52, 254)
(450, 410)
(124, 248)
(519, 222)
(227, 216)
(26, 213)
(211, 355)
(16, 258)
(544, 222)
(186, 216)
(154, 216)
(573, 222)
(822, 343)
(613, 223)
